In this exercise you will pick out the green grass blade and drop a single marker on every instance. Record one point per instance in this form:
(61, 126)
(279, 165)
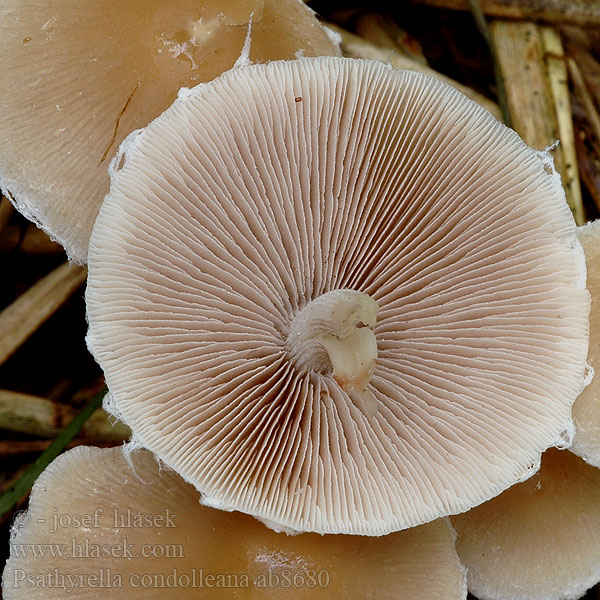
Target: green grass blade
(9, 500)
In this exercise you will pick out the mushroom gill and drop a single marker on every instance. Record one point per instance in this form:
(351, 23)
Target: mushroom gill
(247, 210)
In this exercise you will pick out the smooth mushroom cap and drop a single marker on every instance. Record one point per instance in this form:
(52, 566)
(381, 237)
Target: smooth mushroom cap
(288, 223)
(80, 75)
(539, 540)
(586, 410)
(157, 541)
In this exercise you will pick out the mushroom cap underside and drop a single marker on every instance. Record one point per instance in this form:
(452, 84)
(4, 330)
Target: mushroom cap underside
(268, 189)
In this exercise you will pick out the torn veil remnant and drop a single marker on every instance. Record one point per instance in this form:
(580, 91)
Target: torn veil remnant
(79, 75)
(354, 313)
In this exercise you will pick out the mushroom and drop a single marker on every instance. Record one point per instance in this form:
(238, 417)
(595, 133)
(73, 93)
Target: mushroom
(130, 529)
(586, 410)
(79, 75)
(338, 297)
(538, 540)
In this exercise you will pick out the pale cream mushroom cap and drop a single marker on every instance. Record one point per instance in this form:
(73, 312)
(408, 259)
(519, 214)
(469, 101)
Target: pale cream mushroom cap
(338, 297)
(79, 75)
(586, 410)
(153, 533)
(538, 540)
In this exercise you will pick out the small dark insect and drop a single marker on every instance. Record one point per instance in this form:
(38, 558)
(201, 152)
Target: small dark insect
(298, 99)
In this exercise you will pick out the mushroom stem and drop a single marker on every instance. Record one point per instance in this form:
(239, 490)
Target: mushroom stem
(333, 334)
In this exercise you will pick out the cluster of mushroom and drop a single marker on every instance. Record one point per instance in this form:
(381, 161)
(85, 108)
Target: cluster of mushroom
(336, 297)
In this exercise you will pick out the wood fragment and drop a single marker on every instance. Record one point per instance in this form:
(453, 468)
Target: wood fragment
(83, 395)
(6, 212)
(355, 47)
(480, 20)
(35, 241)
(521, 58)
(578, 12)
(585, 97)
(532, 64)
(21, 318)
(588, 159)
(42, 417)
(589, 68)
(559, 87)
(382, 31)
(484, 30)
